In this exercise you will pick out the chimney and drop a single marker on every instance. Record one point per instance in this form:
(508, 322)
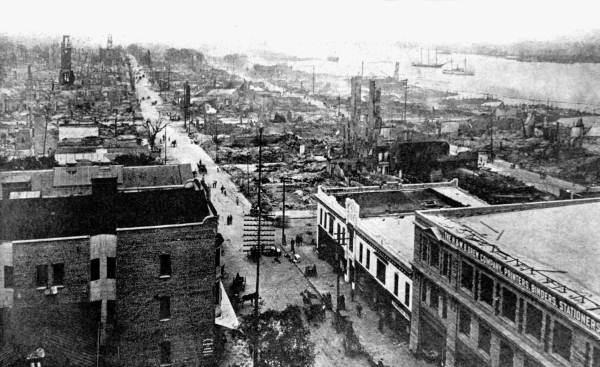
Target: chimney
(104, 195)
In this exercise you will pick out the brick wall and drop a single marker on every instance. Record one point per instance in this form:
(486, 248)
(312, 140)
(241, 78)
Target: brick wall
(65, 325)
(190, 288)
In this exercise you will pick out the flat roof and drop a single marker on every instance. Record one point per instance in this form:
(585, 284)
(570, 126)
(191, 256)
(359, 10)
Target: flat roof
(395, 233)
(562, 239)
(460, 196)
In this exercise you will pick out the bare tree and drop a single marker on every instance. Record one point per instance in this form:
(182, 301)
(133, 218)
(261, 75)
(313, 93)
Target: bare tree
(153, 128)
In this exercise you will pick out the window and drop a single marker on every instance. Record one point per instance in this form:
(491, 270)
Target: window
(533, 325)
(561, 340)
(41, 276)
(165, 353)
(350, 239)
(506, 355)
(360, 252)
(111, 311)
(486, 292)
(464, 321)
(434, 256)
(444, 305)
(58, 274)
(596, 357)
(338, 234)
(466, 278)
(396, 284)
(424, 290)
(165, 265)
(509, 304)
(165, 307)
(9, 277)
(95, 269)
(484, 341)
(321, 216)
(446, 265)
(331, 220)
(423, 249)
(368, 262)
(434, 296)
(381, 271)
(407, 294)
(111, 267)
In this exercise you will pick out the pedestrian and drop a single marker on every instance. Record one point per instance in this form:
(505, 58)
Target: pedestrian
(352, 294)
(230, 219)
(224, 192)
(380, 324)
(359, 310)
(237, 201)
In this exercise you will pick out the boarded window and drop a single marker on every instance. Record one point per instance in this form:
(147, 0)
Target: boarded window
(165, 265)
(562, 340)
(464, 321)
(486, 293)
(165, 307)
(58, 274)
(466, 277)
(165, 353)
(9, 277)
(41, 276)
(509, 304)
(533, 325)
(95, 269)
(111, 267)
(381, 271)
(484, 341)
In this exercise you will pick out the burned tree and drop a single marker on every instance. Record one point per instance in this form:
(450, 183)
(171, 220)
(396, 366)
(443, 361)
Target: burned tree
(153, 128)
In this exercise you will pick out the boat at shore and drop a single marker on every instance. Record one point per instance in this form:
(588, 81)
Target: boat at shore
(457, 70)
(428, 64)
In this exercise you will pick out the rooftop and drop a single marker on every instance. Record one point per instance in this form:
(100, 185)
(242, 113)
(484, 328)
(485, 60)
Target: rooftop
(559, 240)
(386, 230)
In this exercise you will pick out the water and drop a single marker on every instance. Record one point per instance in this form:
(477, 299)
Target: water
(563, 85)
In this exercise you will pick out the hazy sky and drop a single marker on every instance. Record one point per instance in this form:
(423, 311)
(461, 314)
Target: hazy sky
(300, 26)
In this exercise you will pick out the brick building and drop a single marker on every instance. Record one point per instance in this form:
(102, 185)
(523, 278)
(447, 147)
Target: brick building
(508, 285)
(369, 231)
(121, 275)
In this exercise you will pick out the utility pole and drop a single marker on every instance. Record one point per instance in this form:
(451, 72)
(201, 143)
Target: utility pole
(313, 81)
(491, 140)
(339, 103)
(362, 68)
(216, 140)
(258, 245)
(405, 98)
(165, 145)
(45, 134)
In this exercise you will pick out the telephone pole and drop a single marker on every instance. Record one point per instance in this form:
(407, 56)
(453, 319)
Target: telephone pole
(313, 81)
(258, 245)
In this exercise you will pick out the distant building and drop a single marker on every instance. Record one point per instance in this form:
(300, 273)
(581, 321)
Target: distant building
(508, 285)
(369, 231)
(123, 274)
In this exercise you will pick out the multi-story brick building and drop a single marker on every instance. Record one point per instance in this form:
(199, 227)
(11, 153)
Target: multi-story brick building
(121, 275)
(369, 230)
(508, 285)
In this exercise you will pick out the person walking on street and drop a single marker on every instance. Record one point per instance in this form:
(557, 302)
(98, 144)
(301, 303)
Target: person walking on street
(237, 201)
(359, 310)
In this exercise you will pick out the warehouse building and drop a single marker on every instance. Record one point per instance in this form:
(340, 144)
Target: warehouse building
(368, 232)
(508, 285)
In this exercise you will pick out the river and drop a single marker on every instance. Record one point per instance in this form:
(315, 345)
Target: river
(562, 85)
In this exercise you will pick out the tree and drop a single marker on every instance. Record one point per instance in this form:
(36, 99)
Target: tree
(153, 128)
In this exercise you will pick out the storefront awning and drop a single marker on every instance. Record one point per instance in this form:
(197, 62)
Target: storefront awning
(227, 318)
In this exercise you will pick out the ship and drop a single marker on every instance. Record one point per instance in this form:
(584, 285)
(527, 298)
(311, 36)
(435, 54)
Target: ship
(457, 70)
(333, 58)
(428, 64)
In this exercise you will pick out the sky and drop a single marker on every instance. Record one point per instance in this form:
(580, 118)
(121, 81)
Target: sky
(303, 28)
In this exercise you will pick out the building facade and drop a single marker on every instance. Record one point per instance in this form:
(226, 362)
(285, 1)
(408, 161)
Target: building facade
(507, 285)
(367, 232)
(124, 277)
